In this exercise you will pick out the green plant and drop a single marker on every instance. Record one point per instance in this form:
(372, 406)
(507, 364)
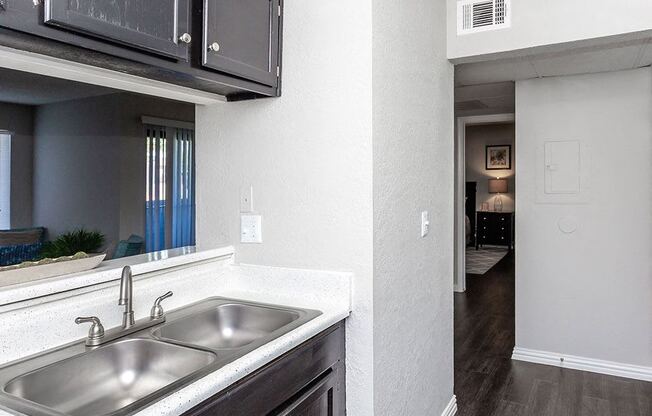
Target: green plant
(72, 242)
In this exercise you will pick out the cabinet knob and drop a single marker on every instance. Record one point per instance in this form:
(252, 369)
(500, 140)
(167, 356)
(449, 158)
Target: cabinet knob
(185, 38)
(214, 47)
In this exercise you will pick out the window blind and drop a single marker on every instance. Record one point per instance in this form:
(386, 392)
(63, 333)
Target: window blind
(170, 188)
(183, 189)
(155, 188)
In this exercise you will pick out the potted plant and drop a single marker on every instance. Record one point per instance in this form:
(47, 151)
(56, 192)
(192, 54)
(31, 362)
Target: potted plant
(73, 242)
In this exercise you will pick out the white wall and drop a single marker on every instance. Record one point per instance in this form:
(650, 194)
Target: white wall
(18, 119)
(331, 200)
(537, 23)
(477, 138)
(588, 293)
(89, 163)
(413, 172)
(308, 156)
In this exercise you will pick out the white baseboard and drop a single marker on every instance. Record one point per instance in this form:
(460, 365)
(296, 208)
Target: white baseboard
(451, 408)
(582, 363)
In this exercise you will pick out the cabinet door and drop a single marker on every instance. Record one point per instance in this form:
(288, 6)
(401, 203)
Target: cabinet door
(323, 398)
(241, 38)
(154, 25)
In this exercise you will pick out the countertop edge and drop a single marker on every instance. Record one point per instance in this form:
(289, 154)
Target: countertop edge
(191, 395)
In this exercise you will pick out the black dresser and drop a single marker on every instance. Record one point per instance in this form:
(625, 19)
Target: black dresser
(495, 228)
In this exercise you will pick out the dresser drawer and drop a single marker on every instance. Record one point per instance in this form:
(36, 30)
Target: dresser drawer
(495, 228)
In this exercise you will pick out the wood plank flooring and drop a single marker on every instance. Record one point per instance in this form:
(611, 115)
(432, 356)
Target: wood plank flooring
(489, 383)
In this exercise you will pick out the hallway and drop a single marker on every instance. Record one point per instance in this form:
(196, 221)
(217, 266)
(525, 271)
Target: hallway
(489, 383)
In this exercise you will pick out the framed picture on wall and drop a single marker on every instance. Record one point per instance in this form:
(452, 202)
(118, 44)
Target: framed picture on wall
(499, 157)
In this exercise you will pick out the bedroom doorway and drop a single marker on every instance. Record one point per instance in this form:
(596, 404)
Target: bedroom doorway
(485, 198)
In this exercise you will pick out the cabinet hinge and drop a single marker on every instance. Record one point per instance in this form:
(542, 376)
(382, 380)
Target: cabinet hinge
(278, 71)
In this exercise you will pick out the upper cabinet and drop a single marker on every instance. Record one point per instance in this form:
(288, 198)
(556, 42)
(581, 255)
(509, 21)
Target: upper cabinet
(229, 47)
(158, 26)
(241, 38)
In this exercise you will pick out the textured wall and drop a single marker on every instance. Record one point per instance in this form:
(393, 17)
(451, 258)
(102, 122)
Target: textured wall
(587, 293)
(413, 171)
(308, 156)
(477, 138)
(537, 22)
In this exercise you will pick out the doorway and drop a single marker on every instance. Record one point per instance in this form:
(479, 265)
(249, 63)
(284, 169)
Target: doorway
(485, 199)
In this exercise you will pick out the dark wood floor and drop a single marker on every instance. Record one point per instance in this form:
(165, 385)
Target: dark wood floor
(489, 383)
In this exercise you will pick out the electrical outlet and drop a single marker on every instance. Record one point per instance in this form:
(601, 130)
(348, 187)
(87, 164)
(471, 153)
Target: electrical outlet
(251, 229)
(425, 223)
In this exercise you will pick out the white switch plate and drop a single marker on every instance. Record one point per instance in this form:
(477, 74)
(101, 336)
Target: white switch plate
(425, 223)
(247, 199)
(251, 230)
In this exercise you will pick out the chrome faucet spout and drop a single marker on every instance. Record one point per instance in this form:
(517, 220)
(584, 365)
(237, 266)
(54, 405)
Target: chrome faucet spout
(126, 297)
(97, 336)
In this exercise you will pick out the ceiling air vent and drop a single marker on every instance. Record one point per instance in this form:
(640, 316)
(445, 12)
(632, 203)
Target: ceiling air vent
(481, 15)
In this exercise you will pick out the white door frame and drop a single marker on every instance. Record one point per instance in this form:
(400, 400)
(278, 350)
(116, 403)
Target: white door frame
(459, 284)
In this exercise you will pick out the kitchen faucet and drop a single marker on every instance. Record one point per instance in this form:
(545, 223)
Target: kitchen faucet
(97, 335)
(126, 297)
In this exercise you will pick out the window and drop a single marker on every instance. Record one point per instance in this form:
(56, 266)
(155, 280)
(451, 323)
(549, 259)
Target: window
(170, 188)
(5, 181)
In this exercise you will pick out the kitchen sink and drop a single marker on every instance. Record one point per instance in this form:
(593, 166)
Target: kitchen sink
(123, 376)
(109, 378)
(230, 325)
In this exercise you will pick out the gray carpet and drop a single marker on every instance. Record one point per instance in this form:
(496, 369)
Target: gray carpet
(480, 261)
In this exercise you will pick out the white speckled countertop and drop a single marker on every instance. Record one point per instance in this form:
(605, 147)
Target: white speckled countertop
(23, 324)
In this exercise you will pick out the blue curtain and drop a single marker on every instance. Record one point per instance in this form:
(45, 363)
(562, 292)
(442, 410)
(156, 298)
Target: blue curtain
(155, 189)
(183, 189)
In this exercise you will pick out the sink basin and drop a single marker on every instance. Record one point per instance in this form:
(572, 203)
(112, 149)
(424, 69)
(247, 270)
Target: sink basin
(229, 325)
(109, 378)
(122, 377)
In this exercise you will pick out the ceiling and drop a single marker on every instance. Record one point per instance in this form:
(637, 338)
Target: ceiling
(31, 89)
(568, 60)
(494, 98)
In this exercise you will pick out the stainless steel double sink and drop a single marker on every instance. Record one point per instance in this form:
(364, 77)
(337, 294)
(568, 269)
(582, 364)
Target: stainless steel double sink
(126, 375)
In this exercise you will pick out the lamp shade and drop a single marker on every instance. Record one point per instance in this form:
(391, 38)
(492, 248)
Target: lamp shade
(497, 186)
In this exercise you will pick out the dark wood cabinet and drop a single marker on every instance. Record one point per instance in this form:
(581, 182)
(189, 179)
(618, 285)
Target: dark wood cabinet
(158, 26)
(322, 398)
(495, 228)
(307, 381)
(228, 47)
(241, 38)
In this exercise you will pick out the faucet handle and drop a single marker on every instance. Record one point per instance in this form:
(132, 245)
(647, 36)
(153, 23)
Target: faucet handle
(96, 330)
(157, 311)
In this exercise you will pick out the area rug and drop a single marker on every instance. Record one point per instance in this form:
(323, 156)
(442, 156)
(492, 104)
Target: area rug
(480, 261)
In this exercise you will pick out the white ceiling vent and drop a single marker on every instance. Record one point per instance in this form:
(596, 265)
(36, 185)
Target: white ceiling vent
(481, 15)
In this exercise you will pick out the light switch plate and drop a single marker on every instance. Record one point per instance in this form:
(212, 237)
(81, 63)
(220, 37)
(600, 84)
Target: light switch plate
(247, 199)
(425, 223)
(251, 230)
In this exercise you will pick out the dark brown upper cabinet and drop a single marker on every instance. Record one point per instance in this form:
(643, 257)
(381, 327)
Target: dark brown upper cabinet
(158, 26)
(241, 38)
(227, 47)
